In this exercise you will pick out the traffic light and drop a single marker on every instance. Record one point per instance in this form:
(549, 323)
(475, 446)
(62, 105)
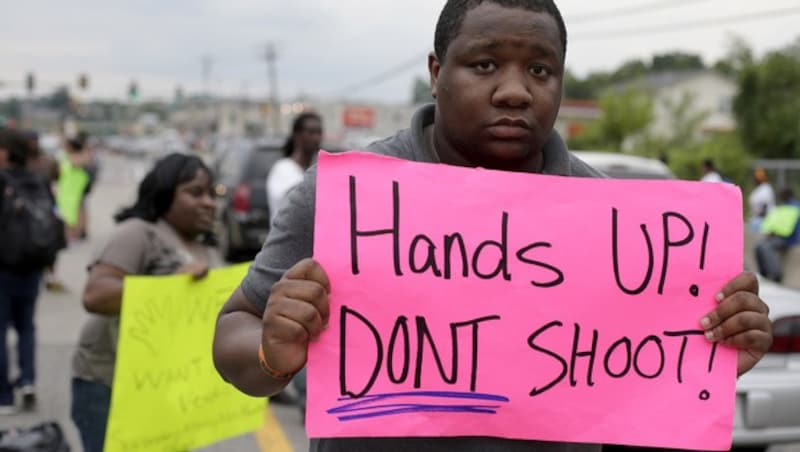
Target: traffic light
(133, 90)
(83, 81)
(30, 82)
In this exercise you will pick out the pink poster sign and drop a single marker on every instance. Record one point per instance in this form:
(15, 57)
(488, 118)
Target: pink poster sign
(471, 302)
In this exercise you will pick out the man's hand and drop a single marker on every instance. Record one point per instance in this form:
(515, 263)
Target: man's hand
(741, 321)
(297, 311)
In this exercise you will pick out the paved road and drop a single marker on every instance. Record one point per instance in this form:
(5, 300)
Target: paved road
(59, 317)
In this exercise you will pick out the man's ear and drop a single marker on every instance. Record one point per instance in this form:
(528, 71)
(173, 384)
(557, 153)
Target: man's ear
(433, 69)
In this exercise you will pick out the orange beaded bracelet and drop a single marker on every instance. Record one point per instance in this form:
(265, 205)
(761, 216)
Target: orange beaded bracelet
(262, 361)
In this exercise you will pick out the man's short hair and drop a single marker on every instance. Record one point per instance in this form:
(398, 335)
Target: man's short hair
(454, 11)
(16, 145)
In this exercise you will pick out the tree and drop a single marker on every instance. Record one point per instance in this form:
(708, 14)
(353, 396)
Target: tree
(11, 109)
(676, 61)
(684, 121)
(626, 116)
(630, 70)
(575, 88)
(421, 91)
(60, 100)
(767, 106)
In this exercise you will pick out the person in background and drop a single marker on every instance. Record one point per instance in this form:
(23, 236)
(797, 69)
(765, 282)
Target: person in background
(166, 231)
(24, 198)
(299, 151)
(92, 168)
(497, 79)
(73, 179)
(781, 230)
(46, 167)
(710, 173)
(761, 199)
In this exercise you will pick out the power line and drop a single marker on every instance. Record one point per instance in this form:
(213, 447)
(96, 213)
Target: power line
(400, 68)
(631, 10)
(383, 76)
(679, 26)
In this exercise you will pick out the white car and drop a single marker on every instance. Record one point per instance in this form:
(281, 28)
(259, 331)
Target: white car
(625, 166)
(767, 397)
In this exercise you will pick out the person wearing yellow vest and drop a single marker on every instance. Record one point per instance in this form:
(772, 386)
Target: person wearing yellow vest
(73, 179)
(781, 230)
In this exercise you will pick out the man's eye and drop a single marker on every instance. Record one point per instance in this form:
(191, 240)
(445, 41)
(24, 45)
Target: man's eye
(539, 71)
(485, 66)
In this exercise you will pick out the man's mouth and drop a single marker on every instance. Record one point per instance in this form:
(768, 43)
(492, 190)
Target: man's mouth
(508, 128)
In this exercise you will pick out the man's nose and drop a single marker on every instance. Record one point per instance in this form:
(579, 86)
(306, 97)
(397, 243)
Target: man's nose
(513, 90)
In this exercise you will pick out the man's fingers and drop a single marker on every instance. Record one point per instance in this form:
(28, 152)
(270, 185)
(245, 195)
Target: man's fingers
(278, 331)
(738, 302)
(300, 313)
(311, 292)
(746, 281)
(741, 323)
(751, 340)
(309, 269)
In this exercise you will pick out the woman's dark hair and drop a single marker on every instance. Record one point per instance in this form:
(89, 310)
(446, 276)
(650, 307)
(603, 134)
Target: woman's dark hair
(297, 126)
(18, 148)
(157, 189)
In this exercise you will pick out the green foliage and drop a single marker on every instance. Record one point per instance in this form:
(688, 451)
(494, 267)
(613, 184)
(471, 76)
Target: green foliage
(596, 83)
(575, 88)
(626, 114)
(11, 109)
(676, 61)
(768, 104)
(59, 100)
(685, 122)
(630, 70)
(726, 151)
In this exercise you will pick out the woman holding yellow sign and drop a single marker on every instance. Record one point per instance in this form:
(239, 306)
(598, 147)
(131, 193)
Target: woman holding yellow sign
(166, 231)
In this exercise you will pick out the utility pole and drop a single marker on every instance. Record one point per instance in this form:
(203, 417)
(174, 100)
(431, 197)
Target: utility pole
(207, 63)
(272, 74)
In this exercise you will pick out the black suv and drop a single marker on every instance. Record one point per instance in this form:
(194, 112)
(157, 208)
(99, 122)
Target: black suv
(242, 168)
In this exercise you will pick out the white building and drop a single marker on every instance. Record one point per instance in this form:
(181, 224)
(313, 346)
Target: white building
(709, 93)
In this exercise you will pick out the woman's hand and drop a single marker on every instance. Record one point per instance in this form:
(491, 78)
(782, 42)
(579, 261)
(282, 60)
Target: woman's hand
(197, 269)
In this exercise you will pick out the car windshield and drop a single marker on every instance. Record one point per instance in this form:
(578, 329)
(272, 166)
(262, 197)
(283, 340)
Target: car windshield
(260, 162)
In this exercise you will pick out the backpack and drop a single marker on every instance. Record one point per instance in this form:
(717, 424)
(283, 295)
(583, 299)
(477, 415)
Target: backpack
(31, 232)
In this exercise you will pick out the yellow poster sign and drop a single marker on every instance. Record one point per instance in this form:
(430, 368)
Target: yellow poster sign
(167, 396)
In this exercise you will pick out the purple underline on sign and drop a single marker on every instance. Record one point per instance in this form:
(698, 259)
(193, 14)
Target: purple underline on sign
(372, 406)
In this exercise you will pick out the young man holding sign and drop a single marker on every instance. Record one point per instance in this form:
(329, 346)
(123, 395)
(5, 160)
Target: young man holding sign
(496, 75)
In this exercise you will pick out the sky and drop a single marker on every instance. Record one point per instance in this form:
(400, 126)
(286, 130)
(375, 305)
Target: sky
(330, 48)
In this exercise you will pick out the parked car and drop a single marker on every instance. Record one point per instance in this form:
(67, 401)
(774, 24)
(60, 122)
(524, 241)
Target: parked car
(625, 166)
(243, 213)
(242, 166)
(768, 397)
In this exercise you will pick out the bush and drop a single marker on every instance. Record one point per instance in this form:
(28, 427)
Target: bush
(726, 151)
